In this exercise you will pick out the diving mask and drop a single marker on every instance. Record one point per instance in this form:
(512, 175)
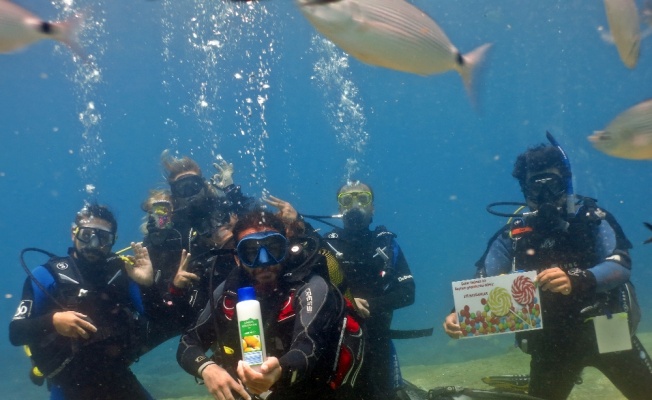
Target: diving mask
(544, 188)
(160, 215)
(94, 237)
(347, 199)
(187, 186)
(262, 249)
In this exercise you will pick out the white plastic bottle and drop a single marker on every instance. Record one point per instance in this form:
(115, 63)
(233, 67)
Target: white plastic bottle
(250, 327)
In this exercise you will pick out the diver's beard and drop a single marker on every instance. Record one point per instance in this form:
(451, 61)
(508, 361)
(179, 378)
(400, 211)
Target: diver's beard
(91, 256)
(265, 279)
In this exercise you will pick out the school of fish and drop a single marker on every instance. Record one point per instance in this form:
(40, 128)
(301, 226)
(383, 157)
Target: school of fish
(397, 35)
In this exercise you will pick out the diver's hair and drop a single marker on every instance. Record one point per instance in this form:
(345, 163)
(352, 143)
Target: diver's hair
(539, 158)
(355, 184)
(154, 196)
(258, 218)
(174, 166)
(94, 210)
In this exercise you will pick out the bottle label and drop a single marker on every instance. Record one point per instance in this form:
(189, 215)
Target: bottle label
(252, 350)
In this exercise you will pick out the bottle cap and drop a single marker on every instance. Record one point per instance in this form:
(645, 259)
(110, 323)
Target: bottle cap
(246, 293)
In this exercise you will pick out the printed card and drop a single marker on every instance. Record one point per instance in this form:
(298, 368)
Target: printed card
(498, 304)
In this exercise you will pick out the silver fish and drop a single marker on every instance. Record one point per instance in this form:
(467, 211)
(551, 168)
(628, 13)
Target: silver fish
(629, 135)
(624, 24)
(392, 34)
(20, 28)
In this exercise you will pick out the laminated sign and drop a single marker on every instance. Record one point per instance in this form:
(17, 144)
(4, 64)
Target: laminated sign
(498, 304)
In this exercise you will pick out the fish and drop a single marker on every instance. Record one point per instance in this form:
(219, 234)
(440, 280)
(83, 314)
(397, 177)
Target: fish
(624, 24)
(20, 28)
(629, 135)
(392, 34)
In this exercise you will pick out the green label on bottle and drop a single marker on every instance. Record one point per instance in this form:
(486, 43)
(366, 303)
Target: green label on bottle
(250, 327)
(252, 350)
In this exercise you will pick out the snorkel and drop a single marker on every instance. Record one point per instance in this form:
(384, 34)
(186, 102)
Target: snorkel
(570, 194)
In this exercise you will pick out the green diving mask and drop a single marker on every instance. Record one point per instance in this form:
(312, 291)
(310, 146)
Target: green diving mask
(347, 199)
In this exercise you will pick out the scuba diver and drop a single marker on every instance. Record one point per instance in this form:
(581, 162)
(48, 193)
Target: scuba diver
(186, 230)
(313, 340)
(379, 278)
(81, 315)
(581, 256)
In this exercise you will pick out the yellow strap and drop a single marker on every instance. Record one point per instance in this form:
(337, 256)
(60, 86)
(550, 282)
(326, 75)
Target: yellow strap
(123, 250)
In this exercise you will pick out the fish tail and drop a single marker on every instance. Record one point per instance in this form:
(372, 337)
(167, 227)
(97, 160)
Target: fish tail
(470, 63)
(67, 33)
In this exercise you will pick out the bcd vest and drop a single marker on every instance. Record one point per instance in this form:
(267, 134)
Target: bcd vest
(113, 308)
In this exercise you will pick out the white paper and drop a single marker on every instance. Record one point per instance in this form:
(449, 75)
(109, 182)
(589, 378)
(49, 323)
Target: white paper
(612, 333)
(499, 304)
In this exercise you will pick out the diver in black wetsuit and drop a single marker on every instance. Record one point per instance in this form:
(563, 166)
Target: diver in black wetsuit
(583, 266)
(186, 229)
(302, 316)
(379, 278)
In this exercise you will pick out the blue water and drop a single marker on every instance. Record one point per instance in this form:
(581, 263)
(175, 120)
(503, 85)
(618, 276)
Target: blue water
(297, 117)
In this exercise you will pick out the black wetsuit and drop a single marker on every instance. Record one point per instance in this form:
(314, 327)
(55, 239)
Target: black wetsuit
(386, 282)
(94, 368)
(172, 310)
(594, 253)
(301, 320)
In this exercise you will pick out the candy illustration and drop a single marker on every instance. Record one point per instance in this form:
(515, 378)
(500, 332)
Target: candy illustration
(499, 301)
(523, 290)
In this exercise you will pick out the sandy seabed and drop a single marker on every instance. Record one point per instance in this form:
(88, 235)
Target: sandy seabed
(468, 374)
(166, 381)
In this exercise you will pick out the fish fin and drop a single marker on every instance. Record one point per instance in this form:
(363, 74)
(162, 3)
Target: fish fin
(470, 63)
(648, 225)
(67, 33)
(631, 58)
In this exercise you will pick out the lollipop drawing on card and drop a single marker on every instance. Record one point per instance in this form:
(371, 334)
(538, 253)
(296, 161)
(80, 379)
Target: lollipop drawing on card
(500, 304)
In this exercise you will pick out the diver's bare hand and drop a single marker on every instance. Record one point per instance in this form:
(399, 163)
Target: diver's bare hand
(288, 213)
(362, 306)
(452, 326)
(140, 270)
(72, 324)
(219, 383)
(260, 382)
(183, 278)
(224, 175)
(554, 280)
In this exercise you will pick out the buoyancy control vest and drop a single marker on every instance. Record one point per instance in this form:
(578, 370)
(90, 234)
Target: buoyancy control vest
(368, 260)
(574, 247)
(113, 306)
(346, 356)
